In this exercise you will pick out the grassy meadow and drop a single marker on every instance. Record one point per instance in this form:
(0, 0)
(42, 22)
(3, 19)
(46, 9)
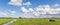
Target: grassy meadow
(2, 21)
(32, 21)
(37, 21)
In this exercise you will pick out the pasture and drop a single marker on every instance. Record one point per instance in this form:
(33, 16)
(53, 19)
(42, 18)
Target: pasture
(2, 21)
(36, 21)
(32, 21)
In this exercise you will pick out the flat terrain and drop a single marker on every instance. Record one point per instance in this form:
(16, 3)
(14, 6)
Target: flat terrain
(37, 21)
(33, 21)
(2, 21)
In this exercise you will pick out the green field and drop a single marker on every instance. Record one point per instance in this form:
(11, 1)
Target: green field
(2, 21)
(32, 21)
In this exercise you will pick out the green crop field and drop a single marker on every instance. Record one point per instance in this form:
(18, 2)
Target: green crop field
(32, 21)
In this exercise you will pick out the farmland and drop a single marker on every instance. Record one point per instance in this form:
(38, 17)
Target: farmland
(32, 21)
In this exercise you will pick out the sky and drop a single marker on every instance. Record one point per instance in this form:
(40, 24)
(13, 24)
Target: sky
(30, 8)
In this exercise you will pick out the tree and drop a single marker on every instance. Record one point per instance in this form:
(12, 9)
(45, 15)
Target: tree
(19, 17)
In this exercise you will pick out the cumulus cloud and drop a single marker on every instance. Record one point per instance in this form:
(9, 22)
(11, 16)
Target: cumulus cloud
(19, 3)
(23, 9)
(42, 11)
(36, 13)
(15, 2)
(43, 8)
(54, 11)
(31, 10)
(27, 4)
(39, 11)
(48, 10)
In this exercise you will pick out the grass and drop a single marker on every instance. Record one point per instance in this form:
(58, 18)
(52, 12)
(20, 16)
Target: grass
(36, 21)
(32, 21)
(2, 21)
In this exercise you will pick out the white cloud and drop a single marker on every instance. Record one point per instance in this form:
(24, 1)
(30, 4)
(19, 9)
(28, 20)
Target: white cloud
(23, 9)
(27, 16)
(43, 8)
(19, 3)
(27, 4)
(56, 5)
(46, 16)
(40, 11)
(13, 12)
(9, 13)
(31, 10)
(36, 13)
(2, 14)
(15, 2)
(54, 11)
(48, 10)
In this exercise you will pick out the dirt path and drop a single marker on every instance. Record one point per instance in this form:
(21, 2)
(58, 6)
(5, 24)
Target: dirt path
(10, 22)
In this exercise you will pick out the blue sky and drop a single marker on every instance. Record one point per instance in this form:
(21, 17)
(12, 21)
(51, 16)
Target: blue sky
(30, 8)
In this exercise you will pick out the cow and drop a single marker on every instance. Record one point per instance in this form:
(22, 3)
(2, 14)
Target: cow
(52, 20)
